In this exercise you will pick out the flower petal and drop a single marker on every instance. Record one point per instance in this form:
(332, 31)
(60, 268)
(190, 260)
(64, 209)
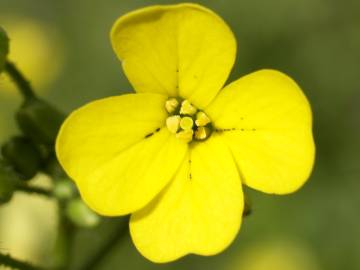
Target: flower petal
(116, 152)
(199, 212)
(182, 49)
(266, 121)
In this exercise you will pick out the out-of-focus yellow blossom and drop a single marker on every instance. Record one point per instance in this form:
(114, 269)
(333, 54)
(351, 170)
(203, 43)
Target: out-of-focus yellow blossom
(275, 255)
(28, 225)
(35, 48)
(176, 153)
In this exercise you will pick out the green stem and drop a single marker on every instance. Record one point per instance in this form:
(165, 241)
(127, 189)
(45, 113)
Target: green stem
(64, 240)
(7, 260)
(34, 190)
(247, 205)
(119, 234)
(21, 82)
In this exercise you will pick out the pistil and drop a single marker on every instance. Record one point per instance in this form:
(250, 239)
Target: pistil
(190, 123)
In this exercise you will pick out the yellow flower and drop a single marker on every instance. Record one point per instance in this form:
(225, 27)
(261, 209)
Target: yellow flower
(35, 48)
(275, 255)
(176, 153)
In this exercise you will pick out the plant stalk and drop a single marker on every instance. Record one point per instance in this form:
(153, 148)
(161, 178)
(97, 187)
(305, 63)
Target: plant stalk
(8, 261)
(118, 235)
(21, 82)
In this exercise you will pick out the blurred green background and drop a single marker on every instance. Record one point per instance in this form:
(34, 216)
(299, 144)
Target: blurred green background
(64, 46)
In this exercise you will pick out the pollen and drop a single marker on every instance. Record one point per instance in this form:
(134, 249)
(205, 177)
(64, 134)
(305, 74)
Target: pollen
(190, 124)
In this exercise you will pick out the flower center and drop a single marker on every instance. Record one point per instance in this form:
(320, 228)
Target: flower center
(186, 121)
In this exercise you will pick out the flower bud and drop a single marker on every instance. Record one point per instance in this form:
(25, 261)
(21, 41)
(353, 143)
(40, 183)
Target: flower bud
(39, 121)
(23, 156)
(7, 183)
(64, 189)
(4, 48)
(81, 215)
(52, 167)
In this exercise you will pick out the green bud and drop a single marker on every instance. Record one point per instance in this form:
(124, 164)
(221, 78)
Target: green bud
(39, 121)
(53, 167)
(4, 48)
(64, 189)
(81, 215)
(7, 183)
(23, 156)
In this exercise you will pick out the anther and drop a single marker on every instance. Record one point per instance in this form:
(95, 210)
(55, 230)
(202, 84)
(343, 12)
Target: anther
(187, 108)
(185, 135)
(171, 105)
(173, 123)
(202, 133)
(202, 119)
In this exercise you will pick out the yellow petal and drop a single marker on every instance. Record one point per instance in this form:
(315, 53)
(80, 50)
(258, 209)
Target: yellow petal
(199, 212)
(181, 49)
(115, 151)
(266, 121)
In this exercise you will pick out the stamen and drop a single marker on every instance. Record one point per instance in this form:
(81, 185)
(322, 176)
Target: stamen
(173, 123)
(202, 133)
(185, 135)
(187, 108)
(202, 119)
(186, 123)
(171, 105)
